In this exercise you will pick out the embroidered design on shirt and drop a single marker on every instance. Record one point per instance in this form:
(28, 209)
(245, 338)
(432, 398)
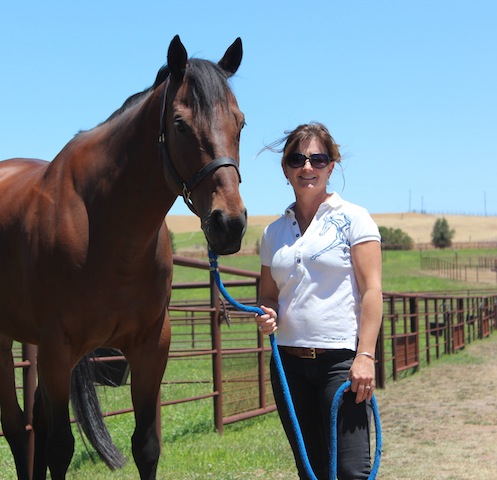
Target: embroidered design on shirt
(342, 225)
(328, 338)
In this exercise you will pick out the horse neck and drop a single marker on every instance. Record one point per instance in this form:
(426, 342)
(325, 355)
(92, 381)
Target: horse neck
(117, 172)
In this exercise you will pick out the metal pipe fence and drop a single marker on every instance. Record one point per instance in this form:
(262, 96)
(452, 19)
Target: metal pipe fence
(228, 359)
(480, 269)
(420, 328)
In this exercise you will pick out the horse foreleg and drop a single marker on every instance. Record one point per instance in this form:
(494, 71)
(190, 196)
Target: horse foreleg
(54, 376)
(12, 417)
(147, 366)
(41, 431)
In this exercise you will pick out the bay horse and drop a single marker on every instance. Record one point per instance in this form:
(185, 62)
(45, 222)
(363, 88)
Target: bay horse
(85, 252)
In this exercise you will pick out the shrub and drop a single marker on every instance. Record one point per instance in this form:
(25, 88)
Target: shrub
(395, 239)
(441, 235)
(173, 243)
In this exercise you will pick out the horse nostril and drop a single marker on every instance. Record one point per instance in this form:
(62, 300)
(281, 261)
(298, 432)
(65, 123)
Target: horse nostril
(229, 225)
(227, 232)
(218, 221)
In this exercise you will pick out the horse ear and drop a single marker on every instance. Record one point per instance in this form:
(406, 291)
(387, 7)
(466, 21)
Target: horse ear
(176, 58)
(232, 58)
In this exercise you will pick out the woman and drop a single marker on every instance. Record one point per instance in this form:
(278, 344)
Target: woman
(320, 289)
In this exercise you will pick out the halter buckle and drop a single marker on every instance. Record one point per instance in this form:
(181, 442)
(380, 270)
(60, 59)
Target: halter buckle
(186, 192)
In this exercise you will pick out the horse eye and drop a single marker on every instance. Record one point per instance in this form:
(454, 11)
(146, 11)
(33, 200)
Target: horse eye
(180, 125)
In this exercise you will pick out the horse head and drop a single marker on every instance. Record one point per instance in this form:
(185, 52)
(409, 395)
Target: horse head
(201, 126)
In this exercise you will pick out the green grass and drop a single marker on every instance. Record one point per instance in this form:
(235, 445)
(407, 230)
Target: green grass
(255, 448)
(401, 272)
(196, 240)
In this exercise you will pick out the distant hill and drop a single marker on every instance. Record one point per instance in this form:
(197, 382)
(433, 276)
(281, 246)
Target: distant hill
(419, 226)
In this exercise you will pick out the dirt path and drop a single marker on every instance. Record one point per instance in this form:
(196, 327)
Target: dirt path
(442, 422)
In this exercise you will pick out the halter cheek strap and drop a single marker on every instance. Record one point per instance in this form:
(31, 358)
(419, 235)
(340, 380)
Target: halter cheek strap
(186, 187)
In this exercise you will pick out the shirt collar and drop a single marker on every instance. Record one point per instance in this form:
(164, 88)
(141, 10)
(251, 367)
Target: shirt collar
(334, 202)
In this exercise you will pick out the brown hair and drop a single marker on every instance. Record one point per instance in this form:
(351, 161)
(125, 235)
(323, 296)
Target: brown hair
(307, 131)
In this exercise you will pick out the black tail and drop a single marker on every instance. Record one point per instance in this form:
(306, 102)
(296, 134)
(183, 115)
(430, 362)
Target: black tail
(86, 408)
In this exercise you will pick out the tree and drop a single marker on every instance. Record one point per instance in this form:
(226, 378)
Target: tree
(441, 235)
(395, 239)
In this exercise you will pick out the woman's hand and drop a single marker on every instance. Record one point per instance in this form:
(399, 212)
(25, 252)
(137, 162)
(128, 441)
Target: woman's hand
(267, 323)
(361, 376)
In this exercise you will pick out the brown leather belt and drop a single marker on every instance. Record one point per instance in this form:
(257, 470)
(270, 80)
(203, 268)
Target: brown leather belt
(303, 352)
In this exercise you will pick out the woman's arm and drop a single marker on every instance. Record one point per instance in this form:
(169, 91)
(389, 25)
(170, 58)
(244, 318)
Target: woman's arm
(268, 301)
(366, 258)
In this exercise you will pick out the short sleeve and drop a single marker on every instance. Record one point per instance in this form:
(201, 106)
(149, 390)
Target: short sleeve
(363, 228)
(265, 252)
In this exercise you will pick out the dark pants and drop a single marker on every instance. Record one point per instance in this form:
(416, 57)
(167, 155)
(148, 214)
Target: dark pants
(312, 384)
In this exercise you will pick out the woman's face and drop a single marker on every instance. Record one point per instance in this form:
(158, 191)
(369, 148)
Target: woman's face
(307, 178)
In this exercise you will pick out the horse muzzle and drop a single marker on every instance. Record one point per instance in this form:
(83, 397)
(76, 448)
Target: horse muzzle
(224, 233)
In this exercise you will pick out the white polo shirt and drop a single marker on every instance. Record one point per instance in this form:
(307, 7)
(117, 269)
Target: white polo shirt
(319, 301)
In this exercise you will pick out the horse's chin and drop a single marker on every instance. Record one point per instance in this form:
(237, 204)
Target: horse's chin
(224, 244)
(225, 250)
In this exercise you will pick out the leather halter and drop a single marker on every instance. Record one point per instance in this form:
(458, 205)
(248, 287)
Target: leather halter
(186, 187)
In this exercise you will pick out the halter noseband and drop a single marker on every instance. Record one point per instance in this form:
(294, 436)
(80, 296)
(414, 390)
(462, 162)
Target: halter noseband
(186, 187)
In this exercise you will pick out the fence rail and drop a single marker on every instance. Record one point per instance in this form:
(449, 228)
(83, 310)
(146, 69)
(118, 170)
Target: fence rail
(231, 364)
(479, 269)
(418, 329)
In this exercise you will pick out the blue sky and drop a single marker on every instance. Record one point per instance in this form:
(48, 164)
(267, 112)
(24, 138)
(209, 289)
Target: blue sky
(407, 88)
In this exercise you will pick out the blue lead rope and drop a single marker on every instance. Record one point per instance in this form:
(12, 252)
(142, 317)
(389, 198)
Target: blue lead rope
(333, 428)
(288, 398)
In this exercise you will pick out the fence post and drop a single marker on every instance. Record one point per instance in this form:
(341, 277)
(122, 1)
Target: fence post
(480, 318)
(217, 359)
(261, 374)
(261, 359)
(413, 314)
(495, 314)
(393, 321)
(447, 325)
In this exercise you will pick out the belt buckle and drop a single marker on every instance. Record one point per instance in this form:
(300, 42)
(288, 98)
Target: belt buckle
(312, 354)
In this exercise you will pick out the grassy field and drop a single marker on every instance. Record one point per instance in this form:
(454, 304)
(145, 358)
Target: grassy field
(257, 448)
(401, 272)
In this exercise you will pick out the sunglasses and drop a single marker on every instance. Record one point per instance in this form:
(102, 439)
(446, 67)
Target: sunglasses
(317, 160)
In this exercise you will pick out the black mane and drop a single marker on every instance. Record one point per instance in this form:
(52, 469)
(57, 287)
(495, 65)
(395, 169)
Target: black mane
(208, 87)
